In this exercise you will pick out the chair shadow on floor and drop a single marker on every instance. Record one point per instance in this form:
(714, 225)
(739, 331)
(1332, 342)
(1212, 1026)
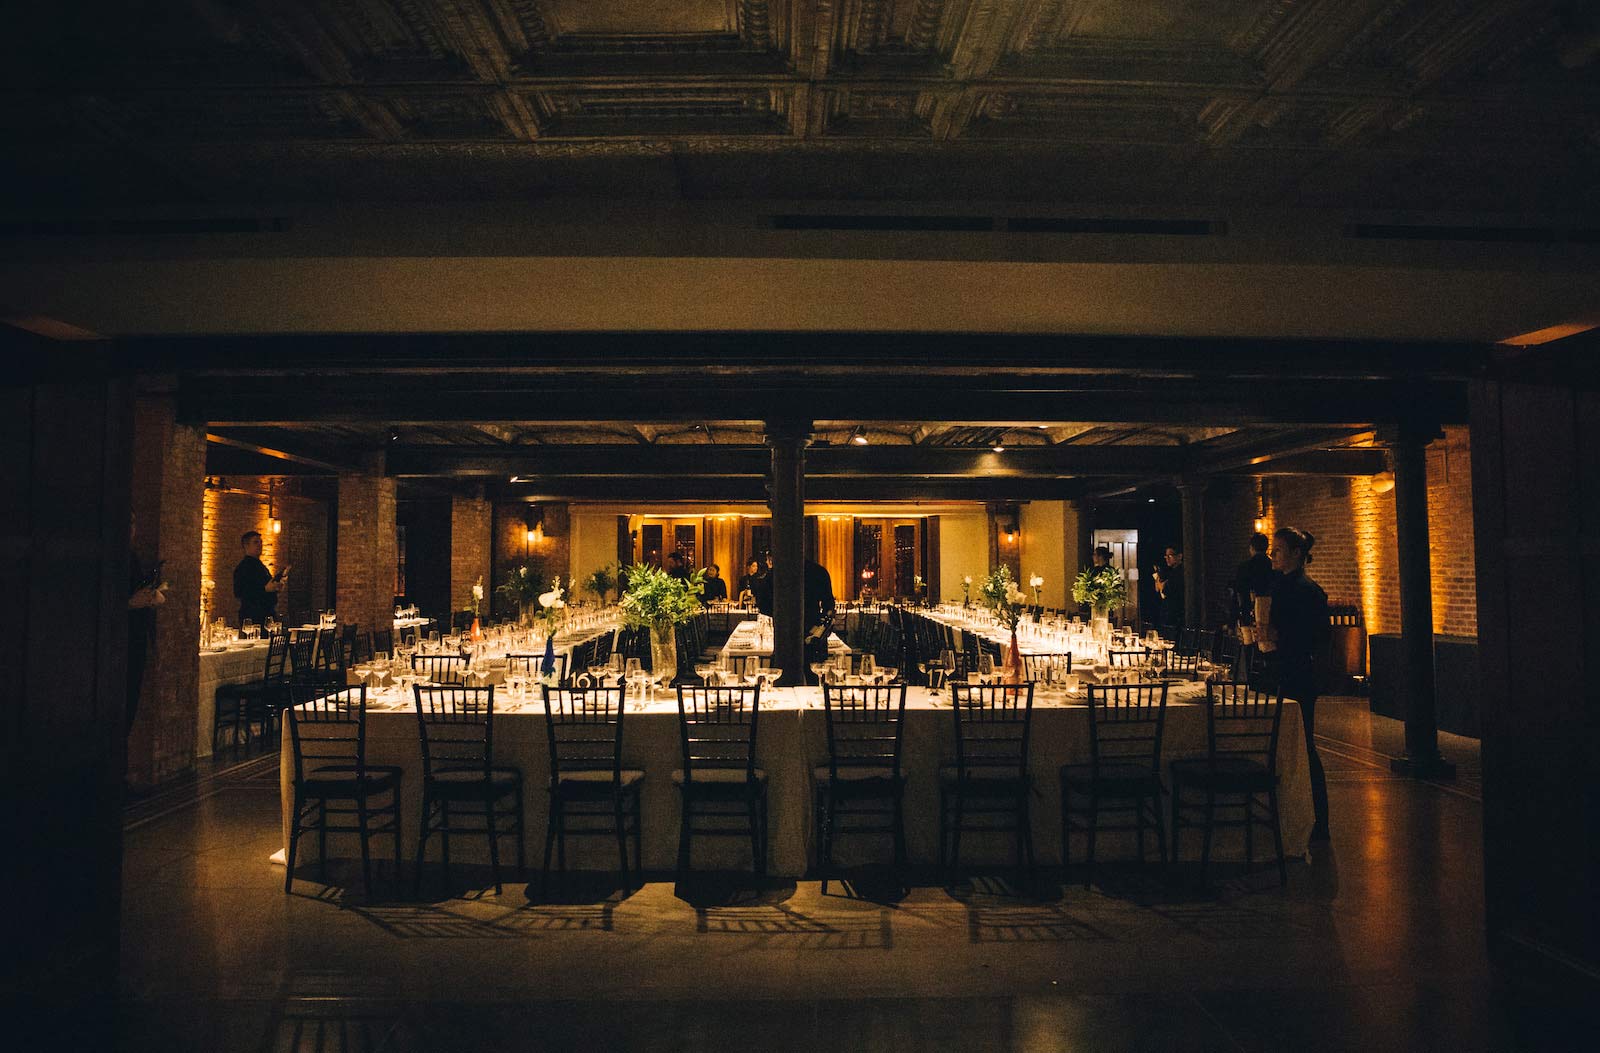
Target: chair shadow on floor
(779, 924)
(702, 889)
(870, 883)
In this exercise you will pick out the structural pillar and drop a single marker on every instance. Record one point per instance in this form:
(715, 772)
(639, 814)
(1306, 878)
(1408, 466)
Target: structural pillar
(1408, 444)
(787, 499)
(169, 472)
(1192, 491)
(1081, 544)
(367, 556)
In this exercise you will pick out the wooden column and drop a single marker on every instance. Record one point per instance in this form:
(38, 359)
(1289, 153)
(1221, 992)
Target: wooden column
(1192, 491)
(787, 499)
(1408, 444)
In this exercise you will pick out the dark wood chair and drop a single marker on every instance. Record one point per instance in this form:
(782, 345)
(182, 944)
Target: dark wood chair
(335, 789)
(1124, 770)
(1238, 775)
(988, 779)
(591, 793)
(862, 784)
(459, 776)
(723, 791)
(255, 703)
(441, 668)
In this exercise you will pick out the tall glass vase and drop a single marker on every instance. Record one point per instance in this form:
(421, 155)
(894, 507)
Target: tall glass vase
(1014, 671)
(664, 653)
(1100, 623)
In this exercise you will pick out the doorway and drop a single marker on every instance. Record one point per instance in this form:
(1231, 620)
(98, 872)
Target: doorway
(1124, 546)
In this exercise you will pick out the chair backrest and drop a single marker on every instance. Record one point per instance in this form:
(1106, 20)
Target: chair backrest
(441, 668)
(992, 722)
(718, 727)
(303, 657)
(584, 728)
(382, 640)
(327, 727)
(603, 645)
(866, 726)
(530, 664)
(1126, 722)
(1050, 668)
(277, 660)
(1125, 659)
(456, 727)
(1242, 720)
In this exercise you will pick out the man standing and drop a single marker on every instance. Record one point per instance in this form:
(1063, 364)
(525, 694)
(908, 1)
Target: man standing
(1169, 586)
(1253, 579)
(254, 586)
(818, 614)
(144, 596)
(1296, 638)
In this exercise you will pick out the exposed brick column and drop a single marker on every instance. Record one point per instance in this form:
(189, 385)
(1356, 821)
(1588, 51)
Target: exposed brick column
(367, 556)
(169, 466)
(471, 541)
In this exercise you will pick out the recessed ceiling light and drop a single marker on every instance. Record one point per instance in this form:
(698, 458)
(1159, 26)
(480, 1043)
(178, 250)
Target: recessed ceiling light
(516, 478)
(859, 436)
(1151, 500)
(999, 449)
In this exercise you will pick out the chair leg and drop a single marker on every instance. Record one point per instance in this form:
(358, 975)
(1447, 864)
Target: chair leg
(549, 844)
(1277, 837)
(1177, 817)
(622, 839)
(899, 830)
(422, 845)
(684, 818)
(493, 826)
(1066, 825)
(1205, 843)
(444, 838)
(522, 847)
(366, 845)
(1249, 831)
(1025, 833)
(294, 842)
(943, 834)
(955, 832)
(638, 836)
(1138, 822)
(755, 836)
(397, 825)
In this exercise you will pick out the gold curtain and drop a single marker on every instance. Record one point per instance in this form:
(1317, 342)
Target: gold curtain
(836, 552)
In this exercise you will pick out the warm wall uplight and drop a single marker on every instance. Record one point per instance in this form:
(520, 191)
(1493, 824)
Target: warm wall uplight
(277, 526)
(1549, 333)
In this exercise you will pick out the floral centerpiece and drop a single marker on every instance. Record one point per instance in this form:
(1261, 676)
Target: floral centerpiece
(602, 581)
(1002, 596)
(660, 602)
(477, 601)
(966, 591)
(1102, 588)
(521, 588)
(1036, 583)
(552, 608)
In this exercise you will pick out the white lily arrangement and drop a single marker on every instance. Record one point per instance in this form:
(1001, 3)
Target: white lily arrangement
(966, 591)
(477, 595)
(1036, 583)
(552, 607)
(1002, 596)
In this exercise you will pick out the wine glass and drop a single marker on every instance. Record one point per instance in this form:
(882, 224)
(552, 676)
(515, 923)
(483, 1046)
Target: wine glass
(868, 666)
(985, 665)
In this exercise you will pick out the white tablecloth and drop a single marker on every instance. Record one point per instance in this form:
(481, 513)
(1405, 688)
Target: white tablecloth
(792, 741)
(744, 642)
(236, 665)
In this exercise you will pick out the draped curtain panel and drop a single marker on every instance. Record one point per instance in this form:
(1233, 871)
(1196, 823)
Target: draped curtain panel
(836, 552)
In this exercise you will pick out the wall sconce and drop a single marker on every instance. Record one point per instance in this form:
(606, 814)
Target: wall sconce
(274, 524)
(535, 526)
(1381, 483)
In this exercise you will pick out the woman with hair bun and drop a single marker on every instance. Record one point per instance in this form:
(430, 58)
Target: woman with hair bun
(1297, 633)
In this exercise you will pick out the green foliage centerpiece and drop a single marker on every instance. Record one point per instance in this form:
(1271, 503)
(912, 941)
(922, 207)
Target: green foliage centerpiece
(660, 602)
(521, 587)
(1102, 588)
(602, 581)
(1001, 595)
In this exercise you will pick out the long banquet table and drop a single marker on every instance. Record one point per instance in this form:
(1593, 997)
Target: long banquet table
(792, 741)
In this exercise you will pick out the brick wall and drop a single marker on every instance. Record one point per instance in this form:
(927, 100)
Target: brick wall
(169, 463)
(1230, 519)
(236, 504)
(471, 539)
(367, 556)
(551, 557)
(1356, 555)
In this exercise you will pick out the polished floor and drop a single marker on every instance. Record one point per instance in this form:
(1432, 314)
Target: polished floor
(1374, 945)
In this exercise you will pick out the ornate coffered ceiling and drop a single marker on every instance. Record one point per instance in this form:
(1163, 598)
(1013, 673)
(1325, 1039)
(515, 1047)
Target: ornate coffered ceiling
(1439, 104)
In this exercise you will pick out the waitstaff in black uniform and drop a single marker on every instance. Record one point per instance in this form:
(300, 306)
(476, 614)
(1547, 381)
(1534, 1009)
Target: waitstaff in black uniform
(256, 587)
(1295, 636)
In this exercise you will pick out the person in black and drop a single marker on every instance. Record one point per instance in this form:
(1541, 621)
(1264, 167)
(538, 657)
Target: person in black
(254, 586)
(676, 567)
(747, 584)
(714, 587)
(763, 589)
(1253, 578)
(144, 596)
(1296, 635)
(818, 612)
(1169, 586)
